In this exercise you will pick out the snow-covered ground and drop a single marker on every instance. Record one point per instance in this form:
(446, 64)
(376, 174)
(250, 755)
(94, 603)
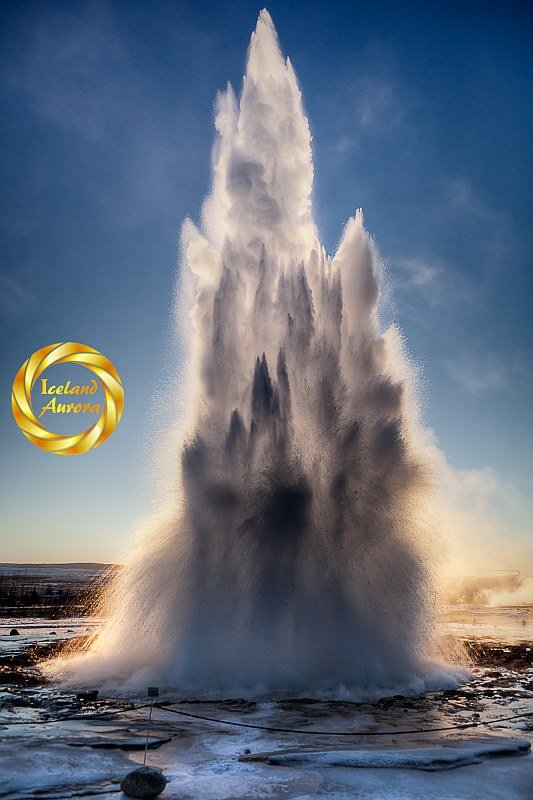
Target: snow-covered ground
(489, 624)
(69, 759)
(46, 754)
(37, 630)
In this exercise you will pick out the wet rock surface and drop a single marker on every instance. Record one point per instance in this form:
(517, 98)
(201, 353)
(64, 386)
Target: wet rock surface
(108, 733)
(513, 656)
(436, 757)
(502, 675)
(21, 668)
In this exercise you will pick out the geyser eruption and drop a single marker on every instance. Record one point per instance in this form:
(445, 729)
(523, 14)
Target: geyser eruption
(293, 555)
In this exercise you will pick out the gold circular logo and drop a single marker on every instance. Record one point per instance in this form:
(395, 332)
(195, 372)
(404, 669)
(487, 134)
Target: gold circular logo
(63, 353)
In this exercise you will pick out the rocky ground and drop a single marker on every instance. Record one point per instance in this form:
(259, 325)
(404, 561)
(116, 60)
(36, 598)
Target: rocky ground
(56, 744)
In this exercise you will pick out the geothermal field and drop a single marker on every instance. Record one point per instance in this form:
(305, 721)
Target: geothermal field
(58, 741)
(286, 597)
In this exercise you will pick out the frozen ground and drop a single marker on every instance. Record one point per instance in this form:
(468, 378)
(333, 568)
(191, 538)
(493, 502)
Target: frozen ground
(489, 624)
(39, 631)
(72, 759)
(87, 757)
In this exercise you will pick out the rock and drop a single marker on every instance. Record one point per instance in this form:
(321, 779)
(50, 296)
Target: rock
(14, 632)
(144, 783)
(20, 702)
(87, 697)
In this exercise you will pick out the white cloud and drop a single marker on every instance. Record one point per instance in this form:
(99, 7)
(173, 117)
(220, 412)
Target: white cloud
(70, 74)
(14, 298)
(77, 73)
(423, 275)
(370, 99)
(482, 373)
(425, 281)
(462, 196)
(378, 102)
(479, 371)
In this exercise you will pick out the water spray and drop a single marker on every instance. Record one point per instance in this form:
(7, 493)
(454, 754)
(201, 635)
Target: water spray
(294, 552)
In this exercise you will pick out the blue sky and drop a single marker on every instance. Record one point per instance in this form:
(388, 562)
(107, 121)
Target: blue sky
(420, 113)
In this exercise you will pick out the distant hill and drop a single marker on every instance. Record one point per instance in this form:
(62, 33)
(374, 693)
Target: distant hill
(77, 572)
(60, 565)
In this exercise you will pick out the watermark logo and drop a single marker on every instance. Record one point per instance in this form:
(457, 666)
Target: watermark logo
(67, 398)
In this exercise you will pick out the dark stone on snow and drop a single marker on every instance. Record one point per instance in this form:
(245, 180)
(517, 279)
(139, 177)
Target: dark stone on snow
(144, 783)
(87, 697)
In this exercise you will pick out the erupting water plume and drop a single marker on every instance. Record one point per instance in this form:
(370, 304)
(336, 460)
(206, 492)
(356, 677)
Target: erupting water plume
(294, 555)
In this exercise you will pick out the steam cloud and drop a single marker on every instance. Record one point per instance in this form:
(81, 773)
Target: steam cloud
(294, 554)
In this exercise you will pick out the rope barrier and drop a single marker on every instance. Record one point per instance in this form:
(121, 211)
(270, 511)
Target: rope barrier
(460, 726)
(270, 728)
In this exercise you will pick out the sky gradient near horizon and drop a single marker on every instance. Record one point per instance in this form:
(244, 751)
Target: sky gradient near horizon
(420, 114)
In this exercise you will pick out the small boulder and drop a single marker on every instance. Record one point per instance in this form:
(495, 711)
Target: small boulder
(14, 632)
(20, 702)
(87, 697)
(146, 783)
